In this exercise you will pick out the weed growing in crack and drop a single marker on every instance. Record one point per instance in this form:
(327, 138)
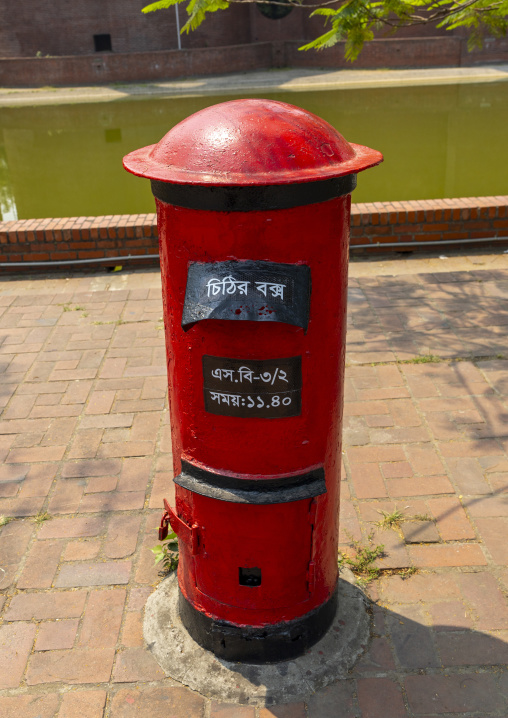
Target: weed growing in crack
(362, 563)
(390, 520)
(167, 553)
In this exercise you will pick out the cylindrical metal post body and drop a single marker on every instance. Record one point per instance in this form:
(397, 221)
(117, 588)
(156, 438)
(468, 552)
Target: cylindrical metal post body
(254, 282)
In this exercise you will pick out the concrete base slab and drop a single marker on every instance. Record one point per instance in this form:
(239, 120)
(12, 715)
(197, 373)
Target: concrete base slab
(289, 681)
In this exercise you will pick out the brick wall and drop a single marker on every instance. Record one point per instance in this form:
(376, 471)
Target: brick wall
(374, 224)
(103, 68)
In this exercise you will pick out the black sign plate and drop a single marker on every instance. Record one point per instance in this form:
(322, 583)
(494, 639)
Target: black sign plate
(253, 291)
(268, 389)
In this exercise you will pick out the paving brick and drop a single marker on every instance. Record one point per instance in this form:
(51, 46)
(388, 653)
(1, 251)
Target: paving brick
(455, 694)
(72, 374)
(15, 646)
(230, 710)
(81, 550)
(72, 666)
(132, 633)
(103, 617)
(146, 571)
(77, 392)
(482, 592)
(324, 703)
(450, 616)
(91, 467)
(473, 649)
(480, 447)
(59, 410)
(29, 706)
(21, 426)
(112, 501)
(101, 484)
(395, 551)
(79, 527)
(157, 702)
(100, 402)
(13, 473)
(122, 536)
(112, 368)
(377, 658)
(45, 606)
(425, 587)
(106, 421)
(37, 453)
(368, 481)
(365, 408)
(83, 704)
(136, 664)
(411, 639)
(138, 598)
(494, 506)
(39, 480)
(451, 518)
(126, 448)
(379, 698)
(493, 532)
(127, 407)
(8, 490)
(41, 565)
(135, 474)
(468, 476)
(108, 573)
(55, 635)
(66, 497)
(86, 444)
(14, 539)
(420, 532)
(374, 454)
(19, 407)
(60, 431)
(397, 470)
(145, 426)
(450, 555)
(417, 486)
(162, 488)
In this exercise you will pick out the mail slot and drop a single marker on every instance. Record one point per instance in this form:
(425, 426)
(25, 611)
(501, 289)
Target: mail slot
(253, 209)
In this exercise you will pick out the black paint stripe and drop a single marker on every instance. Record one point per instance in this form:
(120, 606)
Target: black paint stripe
(271, 643)
(249, 199)
(246, 491)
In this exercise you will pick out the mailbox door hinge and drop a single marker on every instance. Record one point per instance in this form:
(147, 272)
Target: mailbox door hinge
(190, 535)
(311, 569)
(311, 576)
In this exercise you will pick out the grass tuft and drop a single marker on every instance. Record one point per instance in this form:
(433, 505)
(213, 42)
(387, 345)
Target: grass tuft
(362, 563)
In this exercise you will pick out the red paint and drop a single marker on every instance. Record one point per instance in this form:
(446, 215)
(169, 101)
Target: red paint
(250, 142)
(295, 544)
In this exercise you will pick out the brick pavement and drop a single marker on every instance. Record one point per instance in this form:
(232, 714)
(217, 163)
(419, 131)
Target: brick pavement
(84, 437)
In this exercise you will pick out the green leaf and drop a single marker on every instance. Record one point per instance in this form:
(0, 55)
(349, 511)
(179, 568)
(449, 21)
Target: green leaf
(159, 5)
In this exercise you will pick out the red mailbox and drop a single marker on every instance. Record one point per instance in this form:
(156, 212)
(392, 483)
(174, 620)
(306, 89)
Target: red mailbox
(253, 206)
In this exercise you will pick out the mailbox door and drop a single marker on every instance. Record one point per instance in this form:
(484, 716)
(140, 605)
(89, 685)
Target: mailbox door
(254, 557)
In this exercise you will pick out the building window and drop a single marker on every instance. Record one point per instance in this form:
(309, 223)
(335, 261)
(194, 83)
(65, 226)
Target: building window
(102, 43)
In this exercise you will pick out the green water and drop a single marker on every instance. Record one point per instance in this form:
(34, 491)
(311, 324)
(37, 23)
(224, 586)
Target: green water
(440, 141)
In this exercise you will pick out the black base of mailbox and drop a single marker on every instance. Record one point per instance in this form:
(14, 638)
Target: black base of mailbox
(269, 644)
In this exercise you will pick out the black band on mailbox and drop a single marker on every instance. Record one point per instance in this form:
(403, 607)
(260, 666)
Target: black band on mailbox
(251, 491)
(249, 199)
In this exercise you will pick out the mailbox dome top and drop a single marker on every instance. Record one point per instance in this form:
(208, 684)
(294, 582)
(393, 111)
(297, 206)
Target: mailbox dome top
(250, 143)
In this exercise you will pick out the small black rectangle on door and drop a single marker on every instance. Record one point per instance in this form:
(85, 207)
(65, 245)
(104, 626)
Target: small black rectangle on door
(267, 388)
(248, 291)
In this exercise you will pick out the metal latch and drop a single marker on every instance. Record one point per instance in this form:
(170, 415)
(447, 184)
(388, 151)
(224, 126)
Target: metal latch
(188, 534)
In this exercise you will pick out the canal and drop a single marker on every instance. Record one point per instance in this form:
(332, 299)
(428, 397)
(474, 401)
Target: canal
(438, 141)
